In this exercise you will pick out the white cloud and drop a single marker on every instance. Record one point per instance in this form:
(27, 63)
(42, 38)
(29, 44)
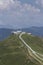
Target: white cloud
(39, 2)
(15, 13)
(29, 7)
(6, 4)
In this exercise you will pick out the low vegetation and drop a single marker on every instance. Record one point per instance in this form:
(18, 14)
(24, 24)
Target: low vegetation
(34, 42)
(12, 52)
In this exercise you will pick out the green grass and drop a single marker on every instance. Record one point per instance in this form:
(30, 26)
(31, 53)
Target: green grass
(11, 52)
(34, 42)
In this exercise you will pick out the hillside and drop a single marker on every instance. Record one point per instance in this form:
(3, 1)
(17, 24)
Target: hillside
(35, 42)
(13, 52)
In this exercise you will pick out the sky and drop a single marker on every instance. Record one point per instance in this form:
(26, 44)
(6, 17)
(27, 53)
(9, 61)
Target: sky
(21, 13)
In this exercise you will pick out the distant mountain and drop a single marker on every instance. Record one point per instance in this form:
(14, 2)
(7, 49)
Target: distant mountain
(5, 32)
(38, 31)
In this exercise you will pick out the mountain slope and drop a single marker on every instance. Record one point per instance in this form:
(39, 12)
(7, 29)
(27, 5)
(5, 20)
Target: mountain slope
(35, 42)
(13, 52)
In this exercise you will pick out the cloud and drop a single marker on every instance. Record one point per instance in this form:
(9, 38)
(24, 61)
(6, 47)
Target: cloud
(39, 2)
(7, 4)
(17, 14)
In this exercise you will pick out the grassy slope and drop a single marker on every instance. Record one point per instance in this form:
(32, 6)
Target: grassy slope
(11, 52)
(34, 42)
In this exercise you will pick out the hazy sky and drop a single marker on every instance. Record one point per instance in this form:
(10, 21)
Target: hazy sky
(21, 13)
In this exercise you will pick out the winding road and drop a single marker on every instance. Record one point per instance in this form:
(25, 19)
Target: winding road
(37, 56)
